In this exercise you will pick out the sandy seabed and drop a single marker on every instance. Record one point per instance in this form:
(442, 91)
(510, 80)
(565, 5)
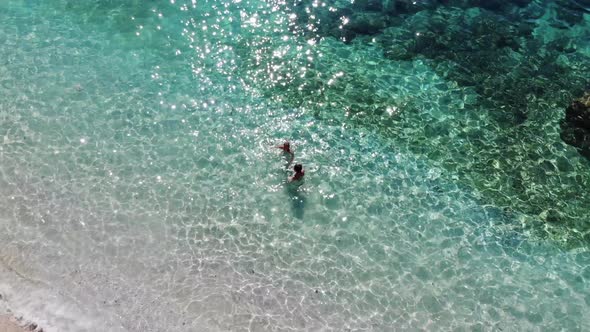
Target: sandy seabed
(10, 324)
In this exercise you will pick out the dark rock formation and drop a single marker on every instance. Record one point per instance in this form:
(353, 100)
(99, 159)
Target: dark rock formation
(572, 11)
(368, 17)
(575, 128)
(493, 5)
(487, 45)
(475, 48)
(367, 23)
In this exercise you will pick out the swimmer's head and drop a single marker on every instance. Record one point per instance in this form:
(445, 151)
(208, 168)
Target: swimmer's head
(287, 146)
(298, 168)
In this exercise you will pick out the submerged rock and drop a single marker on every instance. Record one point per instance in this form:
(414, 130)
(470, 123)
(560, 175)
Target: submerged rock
(575, 128)
(572, 12)
(367, 23)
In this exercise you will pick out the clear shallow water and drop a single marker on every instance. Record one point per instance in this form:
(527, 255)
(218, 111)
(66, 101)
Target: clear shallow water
(140, 190)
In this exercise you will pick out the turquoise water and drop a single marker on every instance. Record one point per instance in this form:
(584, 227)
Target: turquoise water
(140, 190)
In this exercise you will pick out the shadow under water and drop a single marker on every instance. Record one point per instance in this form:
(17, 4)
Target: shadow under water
(298, 200)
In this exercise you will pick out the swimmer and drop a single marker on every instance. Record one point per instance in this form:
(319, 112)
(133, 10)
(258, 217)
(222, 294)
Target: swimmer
(297, 178)
(286, 147)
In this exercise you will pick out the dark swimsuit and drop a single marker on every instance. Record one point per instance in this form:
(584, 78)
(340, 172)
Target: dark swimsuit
(298, 176)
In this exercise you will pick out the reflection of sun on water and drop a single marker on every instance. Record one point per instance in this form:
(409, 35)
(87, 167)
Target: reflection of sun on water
(167, 202)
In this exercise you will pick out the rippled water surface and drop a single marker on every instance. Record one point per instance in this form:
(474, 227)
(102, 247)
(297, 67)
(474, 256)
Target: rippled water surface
(140, 189)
